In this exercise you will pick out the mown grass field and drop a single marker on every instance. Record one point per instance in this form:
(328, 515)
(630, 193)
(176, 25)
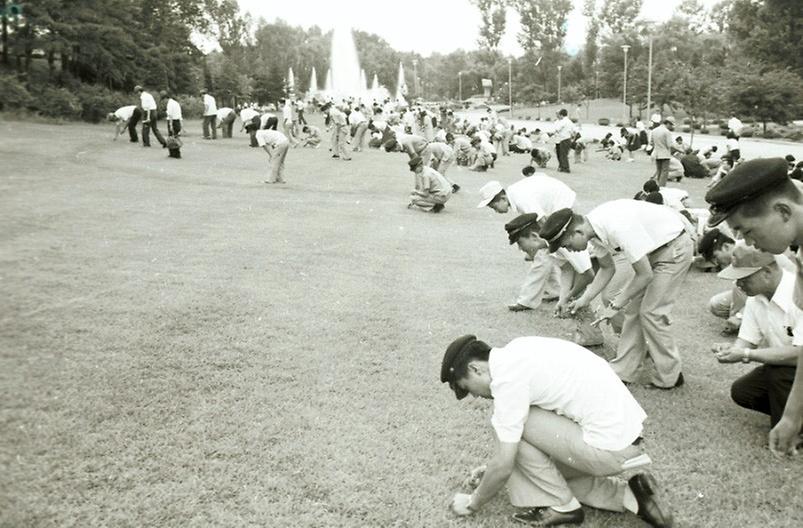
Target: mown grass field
(183, 345)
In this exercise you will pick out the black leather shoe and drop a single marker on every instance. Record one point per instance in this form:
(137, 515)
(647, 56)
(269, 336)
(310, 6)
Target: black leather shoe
(654, 511)
(678, 383)
(549, 517)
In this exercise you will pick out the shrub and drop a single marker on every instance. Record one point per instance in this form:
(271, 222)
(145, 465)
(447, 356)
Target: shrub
(723, 125)
(748, 121)
(704, 131)
(604, 121)
(686, 120)
(192, 107)
(747, 132)
(14, 93)
(57, 102)
(771, 134)
(97, 101)
(794, 134)
(697, 125)
(686, 128)
(620, 125)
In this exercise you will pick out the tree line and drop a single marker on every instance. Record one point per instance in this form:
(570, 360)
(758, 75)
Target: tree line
(742, 56)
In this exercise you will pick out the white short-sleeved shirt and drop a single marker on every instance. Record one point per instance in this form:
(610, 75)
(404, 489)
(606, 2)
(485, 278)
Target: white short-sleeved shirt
(125, 112)
(270, 138)
(524, 143)
(673, 197)
(579, 260)
(563, 129)
(356, 117)
(560, 376)
(637, 228)
(147, 101)
(247, 114)
(769, 322)
(210, 106)
(173, 110)
(540, 194)
(223, 112)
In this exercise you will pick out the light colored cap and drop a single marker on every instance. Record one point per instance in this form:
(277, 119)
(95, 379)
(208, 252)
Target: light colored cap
(489, 192)
(745, 261)
(655, 118)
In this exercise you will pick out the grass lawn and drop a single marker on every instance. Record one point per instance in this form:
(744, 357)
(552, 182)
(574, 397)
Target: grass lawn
(183, 345)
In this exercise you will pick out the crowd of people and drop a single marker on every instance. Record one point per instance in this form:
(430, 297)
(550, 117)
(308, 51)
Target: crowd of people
(565, 421)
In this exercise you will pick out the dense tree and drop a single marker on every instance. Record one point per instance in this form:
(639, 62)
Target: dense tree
(772, 95)
(493, 22)
(543, 23)
(769, 31)
(619, 16)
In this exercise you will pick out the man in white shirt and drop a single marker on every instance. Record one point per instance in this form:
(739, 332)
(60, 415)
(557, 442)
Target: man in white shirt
(225, 119)
(210, 115)
(288, 120)
(442, 157)
(765, 335)
(275, 144)
(126, 117)
(149, 117)
(656, 242)
(359, 123)
(174, 119)
(543, 195)
(565, 425)
(340, 133)
(563, 139)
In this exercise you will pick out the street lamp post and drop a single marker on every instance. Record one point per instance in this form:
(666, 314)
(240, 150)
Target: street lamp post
(460, 86)
(649, 80)
(415, 77)
(510, 85)
(624, 88)
(559, 69)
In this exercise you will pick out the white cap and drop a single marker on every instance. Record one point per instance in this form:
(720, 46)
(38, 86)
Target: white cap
(488, 192)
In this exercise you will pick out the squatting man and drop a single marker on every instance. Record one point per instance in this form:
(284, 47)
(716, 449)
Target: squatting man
(565, 425)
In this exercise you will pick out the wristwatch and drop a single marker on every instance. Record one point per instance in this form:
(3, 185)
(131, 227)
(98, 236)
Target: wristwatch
(746, 357)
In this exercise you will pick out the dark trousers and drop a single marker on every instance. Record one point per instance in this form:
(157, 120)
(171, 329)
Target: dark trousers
(210, 120)
(174, 127)
(252, 128)
(562, 150)
(132, 125)
(764, 389)
(301, 120)
(661, 171)
(148, 124)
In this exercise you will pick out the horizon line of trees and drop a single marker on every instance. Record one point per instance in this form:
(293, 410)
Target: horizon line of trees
(742, 56)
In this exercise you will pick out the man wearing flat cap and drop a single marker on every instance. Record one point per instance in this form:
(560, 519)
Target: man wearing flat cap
(765, 206)
(655, 240)
(565, 426)
(765, 335)
(542, 195)
(431, 191)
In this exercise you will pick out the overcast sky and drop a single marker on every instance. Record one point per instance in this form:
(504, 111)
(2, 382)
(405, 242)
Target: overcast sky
(424, 26)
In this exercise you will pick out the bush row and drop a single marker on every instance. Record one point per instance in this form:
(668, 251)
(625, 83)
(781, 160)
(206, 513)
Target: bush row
(86, 102)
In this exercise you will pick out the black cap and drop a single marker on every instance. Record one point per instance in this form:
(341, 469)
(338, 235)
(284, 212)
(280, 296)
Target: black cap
(555, 226)
(519, 224)
(746, 182)
(453, 351)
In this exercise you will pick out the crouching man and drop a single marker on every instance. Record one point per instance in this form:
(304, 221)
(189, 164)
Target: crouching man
(432, 191)
(565, 425)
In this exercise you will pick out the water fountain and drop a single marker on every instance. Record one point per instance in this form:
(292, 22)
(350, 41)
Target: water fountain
(313, 83)
(401, 86)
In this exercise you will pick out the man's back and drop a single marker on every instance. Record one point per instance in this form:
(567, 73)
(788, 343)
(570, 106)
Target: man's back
(662, 142)
(540, 194)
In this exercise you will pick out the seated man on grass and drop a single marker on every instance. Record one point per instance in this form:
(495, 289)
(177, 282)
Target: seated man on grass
(565, 426)
(765, 334)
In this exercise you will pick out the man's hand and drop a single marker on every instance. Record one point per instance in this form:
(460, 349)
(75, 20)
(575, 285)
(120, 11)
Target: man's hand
(460, 504)
(784, 437)
(576, 305)
(730, 354)
(562, 309)
(474, 478)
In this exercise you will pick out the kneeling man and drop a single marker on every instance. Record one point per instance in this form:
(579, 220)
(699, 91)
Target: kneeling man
(565, 425)
(764, 336)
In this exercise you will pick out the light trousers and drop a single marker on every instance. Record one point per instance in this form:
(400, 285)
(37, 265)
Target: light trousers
(427, 200)
(542, 277)
(554, 464)
(277, 156)
(646, 328)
